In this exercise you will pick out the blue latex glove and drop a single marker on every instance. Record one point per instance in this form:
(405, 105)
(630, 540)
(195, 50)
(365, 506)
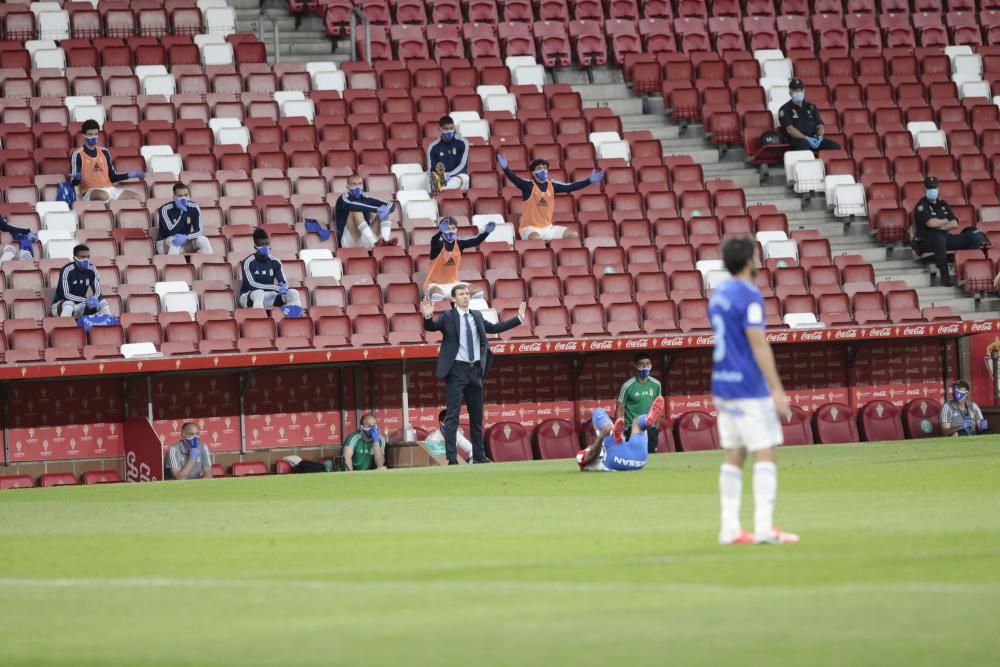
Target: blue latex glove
(815, 142)
(444, 225)
(177, 240)
(984, 425)
(596, 176)
(194, 453)
(385, 211)
(292, 311)
(25, 242)
(93, 303)
(282, 289)
(490, 226)
(967, 424)
(316, 228)
(136, 174)
(502, 160)
(182, 204)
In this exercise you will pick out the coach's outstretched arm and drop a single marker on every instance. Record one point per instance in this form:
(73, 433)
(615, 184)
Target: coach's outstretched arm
(764, 356)
(430, 323)
(506, 325)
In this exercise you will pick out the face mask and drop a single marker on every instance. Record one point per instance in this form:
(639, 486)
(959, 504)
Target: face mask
(932, 194)
(356, 191)
(193, 441)
(447, 135)
(264, 250)
(371, 433)
(798, 97)
(84, 264)
(959, 394)
(182, 203)
(644, 372)
(448, 236)
(542, 175)
(91, 141)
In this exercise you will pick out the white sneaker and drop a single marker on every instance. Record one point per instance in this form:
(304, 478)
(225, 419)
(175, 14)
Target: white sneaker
(777, 537)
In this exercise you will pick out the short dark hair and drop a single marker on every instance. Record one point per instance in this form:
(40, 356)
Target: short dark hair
(737, 252)
(460, 286)
(961, 383)
(535, 164)
(640, 356)
(442, 415)
(90, 124)
(180, 185)
(260, 236)
(361, 422)
(77, 249)
(186, 424)
(446, 120)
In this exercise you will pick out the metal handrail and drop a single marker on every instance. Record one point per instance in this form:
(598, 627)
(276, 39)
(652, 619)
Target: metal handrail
(358, 14)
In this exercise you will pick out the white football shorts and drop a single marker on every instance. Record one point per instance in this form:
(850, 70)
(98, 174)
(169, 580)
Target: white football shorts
(748, 423)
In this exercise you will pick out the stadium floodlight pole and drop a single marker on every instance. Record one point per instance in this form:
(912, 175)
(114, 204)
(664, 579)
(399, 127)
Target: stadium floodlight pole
(358, 14)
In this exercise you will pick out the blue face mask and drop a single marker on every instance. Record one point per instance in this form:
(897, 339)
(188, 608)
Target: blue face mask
(264, 250)
(193, 441)
(182, 203)
(932, 194)
(356, 192)
(84, 264)
(798, 97)
(447, 135)
(448, 236)
(959, 394)
(644, 372)
(371, 433)
(542, 175)
(91, 141)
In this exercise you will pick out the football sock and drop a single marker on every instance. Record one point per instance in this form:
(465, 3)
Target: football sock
(641, 421)
(367, 235)
(730, 493)
(600, 418)
(765, 490)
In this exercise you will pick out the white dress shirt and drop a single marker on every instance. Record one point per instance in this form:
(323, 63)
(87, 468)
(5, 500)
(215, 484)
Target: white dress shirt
(465, 354)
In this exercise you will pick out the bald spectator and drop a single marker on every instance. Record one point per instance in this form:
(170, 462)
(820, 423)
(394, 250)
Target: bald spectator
(188, 458)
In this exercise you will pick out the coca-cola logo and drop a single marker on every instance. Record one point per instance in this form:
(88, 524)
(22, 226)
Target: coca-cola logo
(846, 333)
(914, 331)
(982, 326)
(601, 345)
(570, 346)
(884, 332)
(778, 337)
(638, 343)
(948, 328)
(811, 335)
(498, 349)
(704, 340)
(673, 341)
(529, 347)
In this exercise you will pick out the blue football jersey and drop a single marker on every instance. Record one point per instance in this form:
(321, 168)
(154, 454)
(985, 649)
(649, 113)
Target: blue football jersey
(629, 455)
(734, 307)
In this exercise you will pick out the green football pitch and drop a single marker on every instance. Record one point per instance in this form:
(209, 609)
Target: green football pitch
(516, 564)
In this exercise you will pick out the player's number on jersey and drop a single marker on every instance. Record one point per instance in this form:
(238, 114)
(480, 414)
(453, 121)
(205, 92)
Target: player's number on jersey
(719, 329)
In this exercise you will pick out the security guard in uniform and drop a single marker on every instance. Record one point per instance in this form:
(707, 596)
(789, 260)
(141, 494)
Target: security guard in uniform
(801, 123)
(935, 219)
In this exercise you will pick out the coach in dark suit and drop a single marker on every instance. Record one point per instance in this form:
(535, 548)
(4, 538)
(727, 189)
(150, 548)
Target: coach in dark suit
(464, 359)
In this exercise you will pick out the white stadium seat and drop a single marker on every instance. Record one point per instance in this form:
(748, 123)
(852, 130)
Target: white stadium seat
(326, 268)
(233, 135)
(329, 80)
(529, 75)
(84, 112)
(849, 200)
(298, 109)
(808, 175)
(781, 249)
(474, 128)
(166, 164)
(406, 168)
(180, 302)
(49, 58)
(763, 55)
(64, 221)
(776, 68)
(217, 54)
(53, 24)
(419, 181)
(791, 157)
(421, 209)
(159, 84)
(220, 21)
(404, 197)
(831, 182)
(136, 350)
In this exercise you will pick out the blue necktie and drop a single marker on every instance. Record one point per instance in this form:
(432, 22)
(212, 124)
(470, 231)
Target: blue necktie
(468, 336)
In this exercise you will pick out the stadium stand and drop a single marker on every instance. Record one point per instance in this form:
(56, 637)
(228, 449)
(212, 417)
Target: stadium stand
(670, 99)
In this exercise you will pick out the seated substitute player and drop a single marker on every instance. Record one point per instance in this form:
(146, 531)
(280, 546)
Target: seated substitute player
(461, 441)
(264, 283)
(749, 396)
(365, 448)
(180, 231)
(75, 280)
(448, 159)
(355, 212)
(611, 452)
(446, 258)
(961, 416)
(23, 238)
(536, 216)
(91, 168)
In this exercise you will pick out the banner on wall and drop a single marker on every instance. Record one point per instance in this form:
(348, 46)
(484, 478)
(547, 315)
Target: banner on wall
(143, 454)
(983, 380)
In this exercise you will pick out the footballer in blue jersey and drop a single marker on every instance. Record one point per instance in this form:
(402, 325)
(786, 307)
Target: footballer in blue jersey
(611, 451)
(749, 398)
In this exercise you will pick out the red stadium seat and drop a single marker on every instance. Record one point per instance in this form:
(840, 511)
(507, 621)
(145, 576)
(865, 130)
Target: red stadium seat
(920, 418)
(696, 432)
(249, 469)
(834, 423)
(556, 439)
(58, 479)
(16, 482)
(880, 422)
(101, 477)
(509, 441)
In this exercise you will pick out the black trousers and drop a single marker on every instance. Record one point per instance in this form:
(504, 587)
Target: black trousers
(803, 145)
(941, 243)
(653, 434)
(465, 380)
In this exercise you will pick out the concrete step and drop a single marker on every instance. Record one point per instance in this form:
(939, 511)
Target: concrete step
(301, 49)
(599, 92)
(621, 107)
(244, 4)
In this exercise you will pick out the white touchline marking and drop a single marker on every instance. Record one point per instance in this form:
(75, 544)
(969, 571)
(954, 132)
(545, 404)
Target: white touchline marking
(915, 587)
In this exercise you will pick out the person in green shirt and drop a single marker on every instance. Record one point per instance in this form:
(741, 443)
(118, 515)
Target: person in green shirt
(365, 448)
(636, 397)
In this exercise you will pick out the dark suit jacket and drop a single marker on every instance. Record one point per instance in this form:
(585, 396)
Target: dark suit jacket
(449, 324)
